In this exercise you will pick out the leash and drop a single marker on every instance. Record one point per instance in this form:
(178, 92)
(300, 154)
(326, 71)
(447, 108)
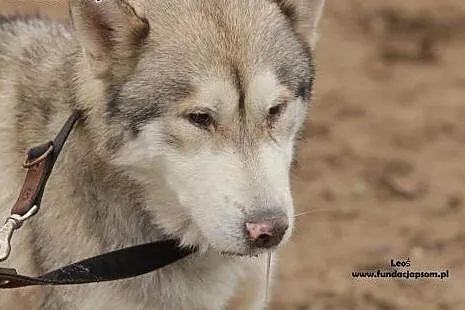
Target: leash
(116, 265)
(111, 266)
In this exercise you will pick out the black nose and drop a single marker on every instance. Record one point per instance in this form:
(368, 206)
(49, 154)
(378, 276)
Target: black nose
(266, 229)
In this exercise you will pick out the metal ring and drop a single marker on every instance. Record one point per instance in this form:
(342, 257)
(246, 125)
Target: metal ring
(27, 164)
(21, 218)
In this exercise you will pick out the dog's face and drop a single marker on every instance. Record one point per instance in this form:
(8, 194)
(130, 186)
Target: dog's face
(202, 104)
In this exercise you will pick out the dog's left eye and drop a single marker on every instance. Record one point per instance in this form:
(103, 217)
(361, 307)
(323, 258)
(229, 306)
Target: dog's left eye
(275, 112)
(202, 120)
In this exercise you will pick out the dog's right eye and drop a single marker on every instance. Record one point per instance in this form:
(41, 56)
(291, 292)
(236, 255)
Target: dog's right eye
(203, 120)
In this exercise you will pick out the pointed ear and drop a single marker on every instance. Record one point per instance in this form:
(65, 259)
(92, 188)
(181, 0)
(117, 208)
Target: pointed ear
(110, 32)
(305, 16)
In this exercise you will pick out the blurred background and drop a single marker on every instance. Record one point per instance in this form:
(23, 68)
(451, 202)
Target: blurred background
(381, 165)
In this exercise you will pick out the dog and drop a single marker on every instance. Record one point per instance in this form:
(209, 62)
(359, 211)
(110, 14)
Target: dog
(191, 113)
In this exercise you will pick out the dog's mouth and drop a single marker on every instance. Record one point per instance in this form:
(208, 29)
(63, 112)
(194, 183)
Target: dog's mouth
(251, 252)
(237, 254)
(246, 252)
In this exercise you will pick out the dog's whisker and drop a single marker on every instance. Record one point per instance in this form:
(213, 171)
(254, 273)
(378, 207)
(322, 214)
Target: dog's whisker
(268, 275)
(313, 211)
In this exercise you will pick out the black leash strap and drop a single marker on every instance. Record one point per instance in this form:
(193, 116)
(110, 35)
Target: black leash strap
(120, 264)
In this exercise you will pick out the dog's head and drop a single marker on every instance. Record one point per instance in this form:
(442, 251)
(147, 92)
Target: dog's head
(201, 101)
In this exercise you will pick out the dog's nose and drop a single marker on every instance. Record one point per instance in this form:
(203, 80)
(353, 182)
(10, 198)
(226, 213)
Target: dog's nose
(267, 231)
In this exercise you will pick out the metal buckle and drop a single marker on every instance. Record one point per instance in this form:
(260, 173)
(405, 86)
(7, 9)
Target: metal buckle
(12, 223)
(29, 164)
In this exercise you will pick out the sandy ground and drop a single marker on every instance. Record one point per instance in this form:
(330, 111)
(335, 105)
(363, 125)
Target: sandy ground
(381, 164)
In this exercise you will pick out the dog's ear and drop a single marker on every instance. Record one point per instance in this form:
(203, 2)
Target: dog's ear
(110, 32)
(304, 16)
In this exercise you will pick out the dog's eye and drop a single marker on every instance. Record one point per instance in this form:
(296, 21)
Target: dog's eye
(275, 112)
(202, 120)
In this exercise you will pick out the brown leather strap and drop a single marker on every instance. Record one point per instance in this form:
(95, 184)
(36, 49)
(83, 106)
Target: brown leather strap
(39, 162)
(34, 177)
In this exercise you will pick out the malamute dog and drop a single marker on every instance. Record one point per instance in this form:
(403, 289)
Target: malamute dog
(191, 110)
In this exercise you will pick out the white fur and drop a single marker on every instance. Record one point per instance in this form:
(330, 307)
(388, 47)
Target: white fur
(210, 190)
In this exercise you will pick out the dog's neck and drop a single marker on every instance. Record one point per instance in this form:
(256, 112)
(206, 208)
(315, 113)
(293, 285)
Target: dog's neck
(120, 217)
